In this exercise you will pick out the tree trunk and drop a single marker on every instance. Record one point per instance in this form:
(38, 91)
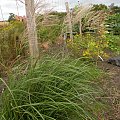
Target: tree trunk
(31, 29)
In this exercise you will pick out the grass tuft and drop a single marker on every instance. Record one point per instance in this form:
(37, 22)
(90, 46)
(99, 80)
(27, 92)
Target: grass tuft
(56, 89)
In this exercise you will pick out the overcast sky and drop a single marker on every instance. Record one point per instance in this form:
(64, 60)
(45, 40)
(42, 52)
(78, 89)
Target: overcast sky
(9, 6)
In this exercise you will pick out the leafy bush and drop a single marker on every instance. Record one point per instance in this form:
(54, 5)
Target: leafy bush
(113, 43)
(98, 7)
(114, 9)
(10, 41)
(11, 17)
(113, 24)
(88, 46)
(51, 29)
(49, 33)
(55, 90)
(60, 15)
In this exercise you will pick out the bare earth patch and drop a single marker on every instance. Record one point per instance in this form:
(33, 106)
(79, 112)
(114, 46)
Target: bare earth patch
(111, 86)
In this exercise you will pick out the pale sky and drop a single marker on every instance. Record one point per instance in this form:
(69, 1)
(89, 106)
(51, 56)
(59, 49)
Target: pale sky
(9, 6)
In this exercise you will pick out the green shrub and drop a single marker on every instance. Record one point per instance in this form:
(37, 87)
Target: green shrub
(88, 45)
(113, 43)
(10, 42)
(98, 7)
(49, 33)
(57, 89)
(60, 15)
(113, 24)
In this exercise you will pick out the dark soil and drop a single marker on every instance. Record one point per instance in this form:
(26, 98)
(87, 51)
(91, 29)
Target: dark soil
(2, 86)
(111, 86)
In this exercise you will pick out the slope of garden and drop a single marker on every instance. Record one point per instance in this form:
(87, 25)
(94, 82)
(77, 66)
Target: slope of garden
(72, 79)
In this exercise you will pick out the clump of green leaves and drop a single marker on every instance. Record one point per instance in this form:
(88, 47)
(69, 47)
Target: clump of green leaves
(49, 33)
(57, 89)
(98, 7)
(11, 17)
(10, 42)
(90, 46)
(113, 24)
(51, 29)
(113, 43)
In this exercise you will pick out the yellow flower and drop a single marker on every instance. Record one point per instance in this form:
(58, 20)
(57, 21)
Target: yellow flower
(69, 40)
(103, 36)
(106, 55)
(96, 46)
(86, 53)
(77, 35)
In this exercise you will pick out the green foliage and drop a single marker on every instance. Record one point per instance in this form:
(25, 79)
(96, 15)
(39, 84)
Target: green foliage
(115, 9)
(49, 33)
(76, 28)
(60, 15)
(57, 89)
(113, 24)
(113, 43)
(98, 7)
(11, 17)
(90, 46)
(39, 19)
(10, 42)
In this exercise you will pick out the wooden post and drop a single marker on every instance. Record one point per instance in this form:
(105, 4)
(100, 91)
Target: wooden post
(65, 43)
(80, 26)
(69, 20)
(31, 29)
(80, 21)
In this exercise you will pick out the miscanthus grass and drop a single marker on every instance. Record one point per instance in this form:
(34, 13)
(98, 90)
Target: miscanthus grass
(56, 89)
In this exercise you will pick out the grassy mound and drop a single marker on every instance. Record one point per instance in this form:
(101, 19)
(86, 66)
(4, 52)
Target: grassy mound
(57, 89)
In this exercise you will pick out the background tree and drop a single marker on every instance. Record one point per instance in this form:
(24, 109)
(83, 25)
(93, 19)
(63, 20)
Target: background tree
(11, 17)
(115, 9)
(98, 7)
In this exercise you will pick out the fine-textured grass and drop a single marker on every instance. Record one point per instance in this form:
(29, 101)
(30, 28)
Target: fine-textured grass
(11, 41)
(56, 89)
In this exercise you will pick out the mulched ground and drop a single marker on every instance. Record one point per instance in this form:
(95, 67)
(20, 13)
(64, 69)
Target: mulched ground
(111, 86)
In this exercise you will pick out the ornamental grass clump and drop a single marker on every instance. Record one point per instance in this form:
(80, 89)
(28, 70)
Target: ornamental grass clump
(56, 89)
